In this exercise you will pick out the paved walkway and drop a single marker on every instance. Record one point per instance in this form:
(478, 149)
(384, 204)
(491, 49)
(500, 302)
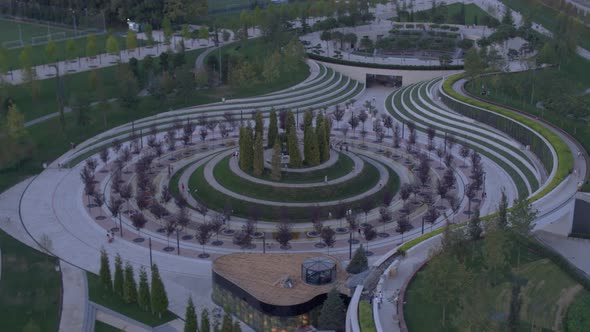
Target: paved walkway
(74, 298)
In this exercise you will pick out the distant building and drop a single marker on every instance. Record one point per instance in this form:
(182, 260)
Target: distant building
(133, 26)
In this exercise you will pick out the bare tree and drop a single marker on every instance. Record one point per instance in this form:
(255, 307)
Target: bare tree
(166, 195)
(284, 234)
(338, 114)
(203, 235)
(370, 234)
(139, 220)
(328, 235)
(230, 120)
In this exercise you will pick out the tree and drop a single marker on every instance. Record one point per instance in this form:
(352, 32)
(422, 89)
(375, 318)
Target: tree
(474, 227)
(273, 129)
(359, 262)
(190, 316)
(112, 46)
(310, 147)
(473, 63)
(204, 33)
(284, 234)
(328, 235)
(159, 299)
(369, 234)
(293, 149)
(276, 161)
(446, 278)
(271, 70)
(323, 138)
(131, 40)
(503, 210)
(205, 323)
(15, 124)
(246, 142)
(496, 249)
(521, 216)
(130, 287)
(203, 234)
(119, 276)
(149, 33)
(51, 52)
(333, 313)
(105, 270)
(143, 297)
(326, 36)
(167, 28)
(258, 157)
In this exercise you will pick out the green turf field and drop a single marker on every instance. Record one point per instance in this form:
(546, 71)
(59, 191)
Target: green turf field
(11, 30)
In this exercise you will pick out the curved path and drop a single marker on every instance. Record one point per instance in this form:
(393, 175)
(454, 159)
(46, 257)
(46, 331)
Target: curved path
(333, 160)
(357, 168)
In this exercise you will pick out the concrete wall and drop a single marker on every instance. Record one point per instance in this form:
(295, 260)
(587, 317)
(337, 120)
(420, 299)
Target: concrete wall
(408, 76)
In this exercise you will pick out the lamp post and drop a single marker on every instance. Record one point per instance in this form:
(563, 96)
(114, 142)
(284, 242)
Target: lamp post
(423, 224)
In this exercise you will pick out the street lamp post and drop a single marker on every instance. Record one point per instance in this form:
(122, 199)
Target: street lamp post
(423, 225)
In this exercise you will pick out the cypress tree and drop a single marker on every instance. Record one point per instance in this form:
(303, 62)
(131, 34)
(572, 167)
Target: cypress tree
(359, 262)
(258, 124)
(293, 149)
(242, 144)
(328, 130)
(308, 119)
(237, 327)
(143, 298)
(227, 323)
(324, 150)
(307, 133)
(312, 156)
(474, 227)
(333, 313)
(246, 149)
(273, 129)
(190, 324)
(205, 324)
(130, 289)
(503, 210)
(105, 270)
(159, 299)
(290, 123)
(276, 162)
(119, 280)
(258, 155)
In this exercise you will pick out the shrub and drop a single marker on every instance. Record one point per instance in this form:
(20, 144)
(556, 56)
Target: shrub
(359, 262)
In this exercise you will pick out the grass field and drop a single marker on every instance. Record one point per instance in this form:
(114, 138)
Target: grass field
(11, 30)
(471, 11)
(343, 166)
(104, 327)
(229, 5)
(366, 321)
(547, 293)
(30, 288)
(98, 294)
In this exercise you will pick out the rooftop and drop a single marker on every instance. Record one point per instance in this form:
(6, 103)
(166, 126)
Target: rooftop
(264, 275)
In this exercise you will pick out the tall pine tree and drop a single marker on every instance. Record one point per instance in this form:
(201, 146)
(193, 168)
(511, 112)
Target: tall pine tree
(258, 124)
(159, 299)
(333, 313)
(293, 148)
(324, 149)
(312, 151)
(130, 287)
(258, 156)
(273, 129)
(190, 323)
(246, 148)
(307, 137)
(119, 279)
(205, 323)
(105, 270)
(144, 298)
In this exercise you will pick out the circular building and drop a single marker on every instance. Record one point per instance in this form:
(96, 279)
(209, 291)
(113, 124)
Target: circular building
(276, 292)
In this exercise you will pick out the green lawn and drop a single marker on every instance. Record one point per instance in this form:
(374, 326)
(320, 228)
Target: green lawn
(30, 288)
(366, 320)
(11, 30)
(343, 166)
(104, 327)
(367, 179)
(98, 294)
(215, 200)
(578, 313)
(471, 11)
(544, 298)
(38, 55)
(229, 5)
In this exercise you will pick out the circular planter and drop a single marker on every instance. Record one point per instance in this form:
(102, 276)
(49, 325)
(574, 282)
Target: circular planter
(354, 241)
(320, 245)
(257, 235)
(161, 230)
(286, 247)
(204, 255)
(341, 230)
(101, 218)
(312, 234)
(217, 243)
(228, 232)
(138, 240)
(168, 249)
(187, 237)
(383, 234)
(369, 253)
(115, 229)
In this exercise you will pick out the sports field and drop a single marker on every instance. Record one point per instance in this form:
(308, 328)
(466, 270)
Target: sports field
(11, 30)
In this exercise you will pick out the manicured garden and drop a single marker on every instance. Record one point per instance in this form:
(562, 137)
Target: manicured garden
(365, 180)
(30, 288)
(366, 321)
(99, 294)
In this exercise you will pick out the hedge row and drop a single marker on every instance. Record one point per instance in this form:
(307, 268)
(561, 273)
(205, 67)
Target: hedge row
(564, 156)
(380, 66)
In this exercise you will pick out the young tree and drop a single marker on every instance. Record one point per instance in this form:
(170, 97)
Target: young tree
(203, 234)
(333, 313)
(112, 46)
(143, 297)
(521, 216)
(158, 299)
(310, 147)
(474, 227)
(293, 149)
(284, 234)
(105, 270)
(273, 129)
(130, 287)
(119, 277)
(167, 28)
(190, 323)
(328, 235)
(503, 210)
(370, 234)
(359, 262)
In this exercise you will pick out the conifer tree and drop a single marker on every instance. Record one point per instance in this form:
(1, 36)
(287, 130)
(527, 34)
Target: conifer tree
(15, 123)
(290, 123)
(474, 227)
(105, 270)
(246, 148)
(227, 323)
(237, 327)
(503, 210)
(359, 262)
(205, 323)
(293, 148)
(258, 124)
(130, 287)
(328, 131)
(144, 298)
(310, 143)
(307, 133)
(190, 324)
(324, 150)
(258, 155)
(159, 299)
(276, 162)
(119, 279)
(273, 129)
(333, 313)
